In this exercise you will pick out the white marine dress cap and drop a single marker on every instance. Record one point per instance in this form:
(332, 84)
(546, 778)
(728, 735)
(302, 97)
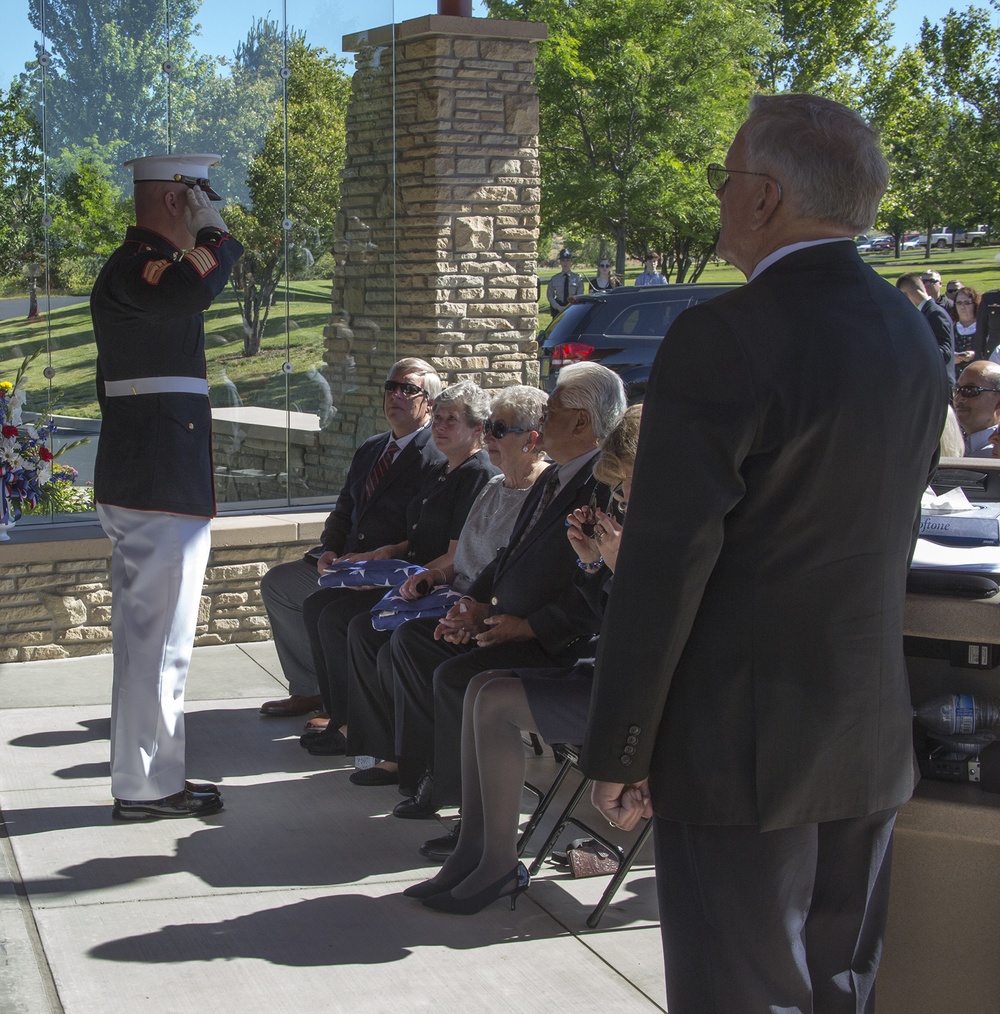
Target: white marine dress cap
(190, 169)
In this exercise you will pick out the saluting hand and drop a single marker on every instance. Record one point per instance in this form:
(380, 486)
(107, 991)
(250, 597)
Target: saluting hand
(199, 212)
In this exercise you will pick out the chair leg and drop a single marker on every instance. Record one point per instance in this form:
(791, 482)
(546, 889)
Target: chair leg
(564, 819)
(624, 865)
(544, 802)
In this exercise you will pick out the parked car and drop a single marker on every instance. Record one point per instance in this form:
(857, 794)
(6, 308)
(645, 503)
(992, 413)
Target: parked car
(913, 241)
(882, 243)
(620, 329)
(941, 238)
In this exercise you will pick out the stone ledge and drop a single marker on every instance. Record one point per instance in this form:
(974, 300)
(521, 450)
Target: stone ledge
(451, 27)
(87, 541)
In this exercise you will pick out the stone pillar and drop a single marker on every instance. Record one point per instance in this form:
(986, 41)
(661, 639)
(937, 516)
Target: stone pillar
(439, 211)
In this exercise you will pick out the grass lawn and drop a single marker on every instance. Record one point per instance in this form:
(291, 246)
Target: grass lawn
(260, 380)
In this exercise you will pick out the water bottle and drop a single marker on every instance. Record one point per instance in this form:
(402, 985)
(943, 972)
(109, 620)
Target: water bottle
(958, 715)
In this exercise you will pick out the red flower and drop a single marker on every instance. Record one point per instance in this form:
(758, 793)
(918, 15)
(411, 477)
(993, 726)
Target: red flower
(45, 454)
(9, 431)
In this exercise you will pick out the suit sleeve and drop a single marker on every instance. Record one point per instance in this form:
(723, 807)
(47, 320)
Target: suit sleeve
(697, 429)
(341, 518)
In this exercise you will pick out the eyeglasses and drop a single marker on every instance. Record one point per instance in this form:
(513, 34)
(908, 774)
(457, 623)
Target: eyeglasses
(931, 281)
(604, 265)
(405, 389)
(718, 176)
(968, 391)
(964, 302)
(618, 495)
(500, 429)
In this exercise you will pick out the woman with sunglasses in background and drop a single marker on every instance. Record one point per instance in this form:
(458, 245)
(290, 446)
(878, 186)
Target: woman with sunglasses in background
(500, 704)
(967, 308)
(604, 281)
(512, 442)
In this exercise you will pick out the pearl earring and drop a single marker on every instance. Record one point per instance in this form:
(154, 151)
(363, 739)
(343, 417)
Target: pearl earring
(525, 449)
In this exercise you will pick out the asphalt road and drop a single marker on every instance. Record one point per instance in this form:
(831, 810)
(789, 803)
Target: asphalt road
(12, 309)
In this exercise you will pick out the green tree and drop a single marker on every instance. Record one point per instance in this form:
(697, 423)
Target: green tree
(21, 198)
(631, 110)
(105, 76)
(294, 184)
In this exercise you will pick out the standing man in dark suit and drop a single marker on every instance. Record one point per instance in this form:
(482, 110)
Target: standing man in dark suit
(941, 324)
(750, 686)
(523, 610)
(385, 474)
(153, 478)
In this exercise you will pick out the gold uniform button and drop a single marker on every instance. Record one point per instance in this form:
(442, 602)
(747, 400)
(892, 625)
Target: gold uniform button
(494, 601)
(190, 426)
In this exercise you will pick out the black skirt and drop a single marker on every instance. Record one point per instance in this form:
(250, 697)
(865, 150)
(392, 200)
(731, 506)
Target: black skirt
(559, 700)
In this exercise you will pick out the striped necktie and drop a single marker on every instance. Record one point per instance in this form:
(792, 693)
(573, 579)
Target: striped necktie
(377, 474)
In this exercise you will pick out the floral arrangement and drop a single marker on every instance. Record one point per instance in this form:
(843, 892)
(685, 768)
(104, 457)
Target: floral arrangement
(25, 458)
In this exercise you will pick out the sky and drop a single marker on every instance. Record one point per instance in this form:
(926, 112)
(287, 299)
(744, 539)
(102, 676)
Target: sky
(224, 22)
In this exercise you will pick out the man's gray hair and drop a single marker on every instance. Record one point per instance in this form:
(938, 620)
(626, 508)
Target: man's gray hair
(430, 381)
(524, 404)
(596, 390)
(826, 158)
(474, 400)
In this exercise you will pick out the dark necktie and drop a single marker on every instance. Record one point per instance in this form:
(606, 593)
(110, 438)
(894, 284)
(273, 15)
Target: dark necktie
(565, 289)
(377, 474)
(548, 492)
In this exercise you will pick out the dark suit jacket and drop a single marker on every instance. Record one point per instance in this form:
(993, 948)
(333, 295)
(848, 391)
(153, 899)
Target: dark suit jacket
(535, 576)
(987, 324)
(354, 525)
(750, 661)
(943, 328)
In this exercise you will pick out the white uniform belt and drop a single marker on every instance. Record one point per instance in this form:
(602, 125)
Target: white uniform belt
(155, 385)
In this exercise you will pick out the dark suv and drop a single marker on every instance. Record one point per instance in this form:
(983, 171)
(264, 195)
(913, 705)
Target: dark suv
(620, 329)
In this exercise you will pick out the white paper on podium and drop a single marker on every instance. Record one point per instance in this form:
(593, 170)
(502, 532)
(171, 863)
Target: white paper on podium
(975, 559)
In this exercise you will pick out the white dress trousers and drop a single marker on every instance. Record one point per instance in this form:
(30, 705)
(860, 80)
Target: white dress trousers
(158, 565)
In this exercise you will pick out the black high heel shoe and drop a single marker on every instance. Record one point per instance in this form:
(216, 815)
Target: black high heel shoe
(428, 888)
(470, 906)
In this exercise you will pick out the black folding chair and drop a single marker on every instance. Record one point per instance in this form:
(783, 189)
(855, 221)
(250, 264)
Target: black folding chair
(626, 855)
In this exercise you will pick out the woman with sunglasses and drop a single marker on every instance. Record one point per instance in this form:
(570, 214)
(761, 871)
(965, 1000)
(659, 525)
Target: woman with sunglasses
(967, 307)
(605, 281)
(510, 434)
(500, 704)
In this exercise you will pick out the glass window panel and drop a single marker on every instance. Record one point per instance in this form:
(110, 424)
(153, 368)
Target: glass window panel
(270, 94)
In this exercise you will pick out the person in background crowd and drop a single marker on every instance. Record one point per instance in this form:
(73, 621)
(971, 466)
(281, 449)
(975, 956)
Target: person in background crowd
(604, 280)
(156, 505)
(966, 310)
(750, 686)
(977, 405)
(912, 286)
(931, 280)
(650, 276)
(565, 285)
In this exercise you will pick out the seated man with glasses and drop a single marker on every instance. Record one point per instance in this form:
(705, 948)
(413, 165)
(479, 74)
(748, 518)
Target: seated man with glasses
(385, 474)
(977, 405)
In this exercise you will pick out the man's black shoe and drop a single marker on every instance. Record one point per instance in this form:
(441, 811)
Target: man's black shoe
(441, 848)
(181, 804)
(329, 743)
(203, 789)
(419, 806)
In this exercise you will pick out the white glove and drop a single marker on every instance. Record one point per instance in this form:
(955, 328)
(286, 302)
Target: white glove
(199, 212)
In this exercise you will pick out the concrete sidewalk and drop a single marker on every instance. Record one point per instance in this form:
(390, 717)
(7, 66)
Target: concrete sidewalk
(288, 899)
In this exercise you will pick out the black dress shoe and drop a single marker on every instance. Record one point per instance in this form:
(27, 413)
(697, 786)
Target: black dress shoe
(441, 848)
(329, 743)
(374, 776)
(203, 789)
(288, 707)
(181, 804)
(419, 806)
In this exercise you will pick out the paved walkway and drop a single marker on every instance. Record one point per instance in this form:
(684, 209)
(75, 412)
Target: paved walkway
(288, 900)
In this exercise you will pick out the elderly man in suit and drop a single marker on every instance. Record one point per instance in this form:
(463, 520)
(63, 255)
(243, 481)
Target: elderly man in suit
(750, 689)
(384, 476)
(523, 610)
(941, 324)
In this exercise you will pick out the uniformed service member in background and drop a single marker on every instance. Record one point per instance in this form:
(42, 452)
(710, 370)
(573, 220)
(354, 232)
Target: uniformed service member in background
(564, 285)
(153, 479)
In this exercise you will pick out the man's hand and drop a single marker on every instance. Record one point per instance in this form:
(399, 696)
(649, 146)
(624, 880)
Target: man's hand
(325, 560)
(462, 622)
(199, 213)
(622, 805)
(502, 628)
